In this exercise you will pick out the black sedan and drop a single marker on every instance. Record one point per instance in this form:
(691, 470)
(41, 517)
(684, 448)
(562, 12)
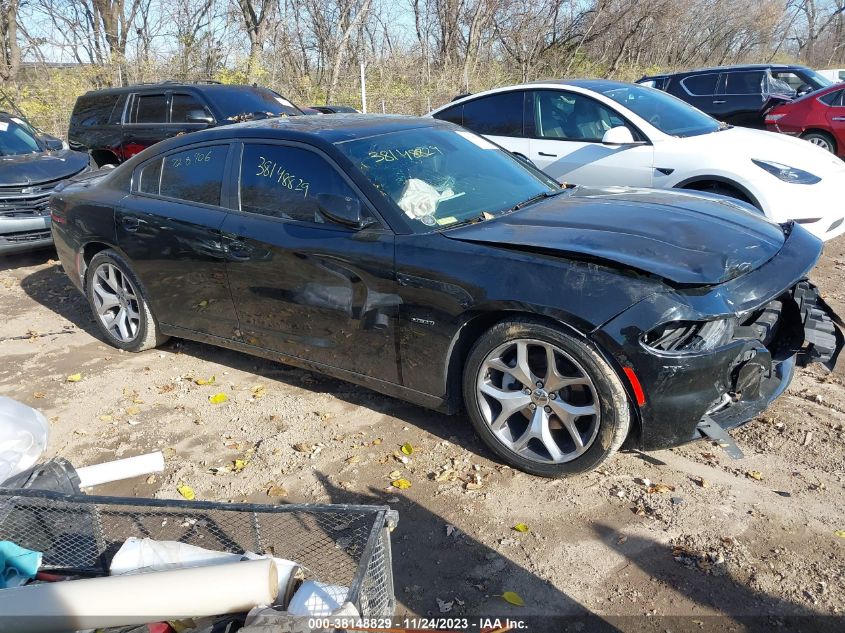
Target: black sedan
(420, 260)
(29, 170)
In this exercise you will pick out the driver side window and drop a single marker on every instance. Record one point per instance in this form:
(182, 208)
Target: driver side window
(570, 116)
(283, 182)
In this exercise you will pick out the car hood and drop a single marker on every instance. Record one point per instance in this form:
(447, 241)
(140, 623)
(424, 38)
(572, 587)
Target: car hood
(737, 142)
(685, 238)
(32, 169)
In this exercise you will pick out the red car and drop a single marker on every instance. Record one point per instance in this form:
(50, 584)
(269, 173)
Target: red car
(818, 117)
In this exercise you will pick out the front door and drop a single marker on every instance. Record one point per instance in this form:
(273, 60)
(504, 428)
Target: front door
(303, 285)
(169, 227)
(566, 144)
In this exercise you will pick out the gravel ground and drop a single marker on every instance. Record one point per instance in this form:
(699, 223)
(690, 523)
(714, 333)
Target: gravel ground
(683, 532)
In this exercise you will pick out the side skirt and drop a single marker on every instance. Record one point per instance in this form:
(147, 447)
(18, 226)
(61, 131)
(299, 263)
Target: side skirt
(387, 388)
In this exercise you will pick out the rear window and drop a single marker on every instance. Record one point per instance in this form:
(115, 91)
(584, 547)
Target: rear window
(194, 175)
(701, 85)
(745, 83)
(149, 109)
(497, 115)
(93, 109)
(454, 115)
(833, 98)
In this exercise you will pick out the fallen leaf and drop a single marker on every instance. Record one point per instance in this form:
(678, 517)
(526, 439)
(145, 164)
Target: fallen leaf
(395, 474)
(218, 398)
(74, 378)
(276, 491)
(472, 485)
(151, 479)
(377, 441)
(258, 392)
(402, 484)
(444, 606)
(520, 527)
(39, 395)
(302, 447)
(754, 474)
(513, 598)
(840, 533)
(205, 381)
(353, 460)
(187, 492)
(133, 410)
(106, 418)
(238, 465)
(407, 449)
(660, 488)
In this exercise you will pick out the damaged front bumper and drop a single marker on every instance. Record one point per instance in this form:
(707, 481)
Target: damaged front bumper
(781, 322)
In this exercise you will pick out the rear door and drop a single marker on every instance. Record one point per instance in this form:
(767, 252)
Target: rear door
(499, 117)
(169, 226)
(743, 91)
(144, 122)
(700, 91)
(567, 129)
(304, 286)
(836, 119)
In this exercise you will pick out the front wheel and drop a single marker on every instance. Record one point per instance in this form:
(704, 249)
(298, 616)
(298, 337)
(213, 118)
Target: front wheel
(119, 305)
(543, 400)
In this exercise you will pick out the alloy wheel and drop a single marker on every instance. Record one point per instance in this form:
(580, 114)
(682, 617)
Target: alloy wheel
(538, 401)
(116, 302)
(821, 142)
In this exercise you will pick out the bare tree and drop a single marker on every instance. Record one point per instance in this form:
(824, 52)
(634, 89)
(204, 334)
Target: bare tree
(10, 52)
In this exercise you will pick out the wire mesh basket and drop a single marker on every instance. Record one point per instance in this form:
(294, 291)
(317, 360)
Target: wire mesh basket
(345, 545)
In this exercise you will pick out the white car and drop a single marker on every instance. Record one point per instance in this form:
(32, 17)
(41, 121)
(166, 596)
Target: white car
(598, 133)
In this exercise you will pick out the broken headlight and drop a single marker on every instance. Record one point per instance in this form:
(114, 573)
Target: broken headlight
(690, 337)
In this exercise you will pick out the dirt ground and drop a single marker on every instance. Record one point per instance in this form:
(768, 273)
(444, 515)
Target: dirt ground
(751, 538)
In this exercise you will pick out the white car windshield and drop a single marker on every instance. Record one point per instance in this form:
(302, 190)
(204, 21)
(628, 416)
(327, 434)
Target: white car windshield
(16, 139)
(442, 177)
(668, 114)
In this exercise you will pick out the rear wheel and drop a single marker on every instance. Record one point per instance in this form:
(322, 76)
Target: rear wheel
(821, 139)
(544, 401)
(119, 305)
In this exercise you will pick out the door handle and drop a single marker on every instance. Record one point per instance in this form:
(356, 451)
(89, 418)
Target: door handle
(717, 101)
(839, 118)
(549, 155)
(130, 223)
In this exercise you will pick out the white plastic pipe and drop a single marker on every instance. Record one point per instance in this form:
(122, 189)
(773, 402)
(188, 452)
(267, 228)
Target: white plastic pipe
(138, 598)
(120, 469)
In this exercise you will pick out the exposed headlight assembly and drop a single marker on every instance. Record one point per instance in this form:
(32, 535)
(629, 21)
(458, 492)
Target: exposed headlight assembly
(786, 173)
(689, 337)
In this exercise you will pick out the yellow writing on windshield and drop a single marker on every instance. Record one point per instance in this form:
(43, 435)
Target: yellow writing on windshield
(281, 176)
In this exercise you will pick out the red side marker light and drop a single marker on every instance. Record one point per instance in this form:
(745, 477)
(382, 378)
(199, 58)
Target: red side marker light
(635, 384)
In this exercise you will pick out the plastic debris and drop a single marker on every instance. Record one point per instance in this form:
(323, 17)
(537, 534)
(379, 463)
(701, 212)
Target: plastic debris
(23, 437)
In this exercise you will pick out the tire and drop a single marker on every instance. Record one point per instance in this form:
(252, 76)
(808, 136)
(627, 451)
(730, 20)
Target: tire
(110, 276)
(719, 190)
(526, 437)
(821, 139)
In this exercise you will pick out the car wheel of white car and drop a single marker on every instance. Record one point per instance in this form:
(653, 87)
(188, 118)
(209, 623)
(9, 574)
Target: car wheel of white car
(825, 141)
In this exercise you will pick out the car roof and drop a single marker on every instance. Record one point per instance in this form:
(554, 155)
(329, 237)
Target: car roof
(330, 128)
(710, 69)
(597, 85)
(175, 85)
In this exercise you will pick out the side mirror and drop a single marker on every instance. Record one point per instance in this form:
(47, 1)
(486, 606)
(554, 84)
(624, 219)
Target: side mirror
(199, 116)
(343, 210)
(52, 143)
(619, 135)
(803, 89)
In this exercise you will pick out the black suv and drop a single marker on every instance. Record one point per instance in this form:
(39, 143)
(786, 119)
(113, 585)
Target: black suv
(740, 95)
(117, 123)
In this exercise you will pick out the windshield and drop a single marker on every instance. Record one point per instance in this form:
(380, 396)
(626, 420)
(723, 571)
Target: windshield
(16, 139)
(814, 79)
(665, 112)
(250, 102)
(443, 177)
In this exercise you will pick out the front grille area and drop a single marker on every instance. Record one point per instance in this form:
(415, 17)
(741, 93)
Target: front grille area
(25, 236)
(24, 206)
